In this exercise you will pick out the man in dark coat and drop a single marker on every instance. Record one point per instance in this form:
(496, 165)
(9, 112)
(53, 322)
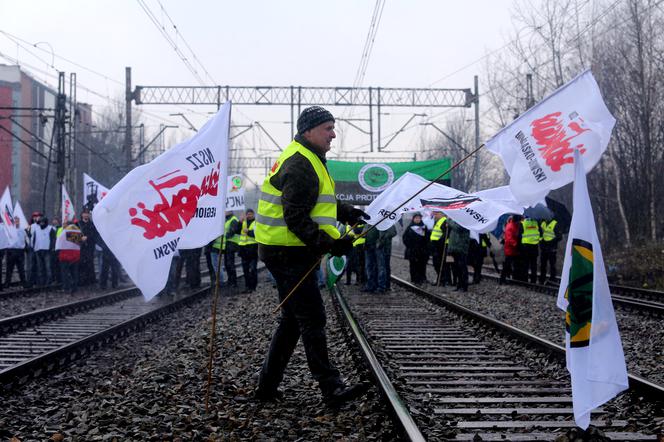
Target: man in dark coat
(416, 240)
(297, 190)
(86, 273)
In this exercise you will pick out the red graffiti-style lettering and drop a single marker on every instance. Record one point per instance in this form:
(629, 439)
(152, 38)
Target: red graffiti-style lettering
(551, 134)
(171, 216)
(210, 183)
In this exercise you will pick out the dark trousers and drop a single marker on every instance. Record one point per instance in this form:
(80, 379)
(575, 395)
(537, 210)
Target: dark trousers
(508, 268)
(530, 252)
(208, 262)
(302, 315)
(86, 266)
(418, 268)
(15, 259)
(461, 270)
(384, 267)
(446, 277)
(547, 259)
(229, 264)
(109, 262)
(249, 256)
(56, 277)
(371, 268)
(478, 262)
(43, 266)
(193, 264)
(69, 274)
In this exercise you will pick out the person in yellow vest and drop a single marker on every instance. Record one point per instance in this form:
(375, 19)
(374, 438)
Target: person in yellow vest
(530, 239)
(249, 252)
(439, 236)
(295, 226)
(548, 248)
(216, 251)
(231, 246)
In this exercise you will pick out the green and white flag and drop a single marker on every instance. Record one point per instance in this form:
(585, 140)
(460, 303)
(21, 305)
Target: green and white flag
(335, 268)
(360, 183)
(595, 358)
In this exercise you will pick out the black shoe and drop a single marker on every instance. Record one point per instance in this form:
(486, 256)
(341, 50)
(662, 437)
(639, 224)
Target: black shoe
(272, 396)
(344, 393)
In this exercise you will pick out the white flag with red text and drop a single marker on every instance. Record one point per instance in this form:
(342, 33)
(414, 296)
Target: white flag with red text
(595, 358)
(477, 211)
(537, 148)
(68, 212)
(93, 191)
(18, 211)
(174, 202)
(7, 218)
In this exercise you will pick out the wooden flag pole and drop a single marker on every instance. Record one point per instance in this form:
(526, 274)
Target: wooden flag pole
(454, 166)
(444, 257)
(213, 331)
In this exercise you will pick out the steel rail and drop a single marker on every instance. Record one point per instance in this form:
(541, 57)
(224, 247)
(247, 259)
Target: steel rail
(18, 374)
(18, 322)
(637, 382)
(397, 407)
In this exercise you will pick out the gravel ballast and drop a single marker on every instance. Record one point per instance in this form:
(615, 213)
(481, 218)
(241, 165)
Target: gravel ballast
(151, 386)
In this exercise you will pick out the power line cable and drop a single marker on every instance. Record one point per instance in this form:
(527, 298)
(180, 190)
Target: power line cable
(170, 41)
(177, 31)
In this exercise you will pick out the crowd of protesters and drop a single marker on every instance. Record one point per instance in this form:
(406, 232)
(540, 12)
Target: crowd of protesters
(220, 254)
(47, 253)
(530, 248)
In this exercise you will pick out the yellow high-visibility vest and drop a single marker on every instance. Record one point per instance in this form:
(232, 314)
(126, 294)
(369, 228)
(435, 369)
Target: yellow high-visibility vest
(245, 239)
(548, 232)
(227, 225)
(359, 241)
(271, 228)
(218, 243)
(531, 233)
(437, 231)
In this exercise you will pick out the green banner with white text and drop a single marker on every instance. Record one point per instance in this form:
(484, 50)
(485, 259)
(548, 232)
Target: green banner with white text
(360, 183)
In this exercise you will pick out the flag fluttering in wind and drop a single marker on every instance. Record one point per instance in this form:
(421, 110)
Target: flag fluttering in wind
(595, 358)
(7, 217)
(475, 211)
(68, 212)
(93, 191)
(174, 202)
(18, 211)
(335, 266)
(537, 148)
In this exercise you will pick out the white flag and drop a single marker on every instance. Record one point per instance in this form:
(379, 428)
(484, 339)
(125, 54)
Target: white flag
(18, 211)
(595, 358)
(7, 218)
(93, 192)
(235, 194)
(478, 211)
(68, 212)
(174, 202)
(537, 147)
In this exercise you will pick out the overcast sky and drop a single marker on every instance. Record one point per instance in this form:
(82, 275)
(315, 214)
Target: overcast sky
(249, 43)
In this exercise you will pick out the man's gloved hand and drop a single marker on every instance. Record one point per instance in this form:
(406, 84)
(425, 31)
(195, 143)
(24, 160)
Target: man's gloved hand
(342, 246)
(356, 216)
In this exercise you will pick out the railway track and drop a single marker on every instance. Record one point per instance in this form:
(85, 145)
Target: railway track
(629, 297)
(34, 343)
(446, 380)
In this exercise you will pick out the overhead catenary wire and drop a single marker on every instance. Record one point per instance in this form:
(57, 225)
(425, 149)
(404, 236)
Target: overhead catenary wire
(170, 41)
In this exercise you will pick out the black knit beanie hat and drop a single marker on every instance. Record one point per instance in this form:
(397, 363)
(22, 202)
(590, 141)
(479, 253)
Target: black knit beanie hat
(312, 117)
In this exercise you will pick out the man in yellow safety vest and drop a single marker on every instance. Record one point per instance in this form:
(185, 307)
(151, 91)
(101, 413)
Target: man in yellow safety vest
(295, 225)
(548, 248)
(249, 252)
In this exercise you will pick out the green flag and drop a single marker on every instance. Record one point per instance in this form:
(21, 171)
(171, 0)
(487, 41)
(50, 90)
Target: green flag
(335, 268)
(360, 183)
